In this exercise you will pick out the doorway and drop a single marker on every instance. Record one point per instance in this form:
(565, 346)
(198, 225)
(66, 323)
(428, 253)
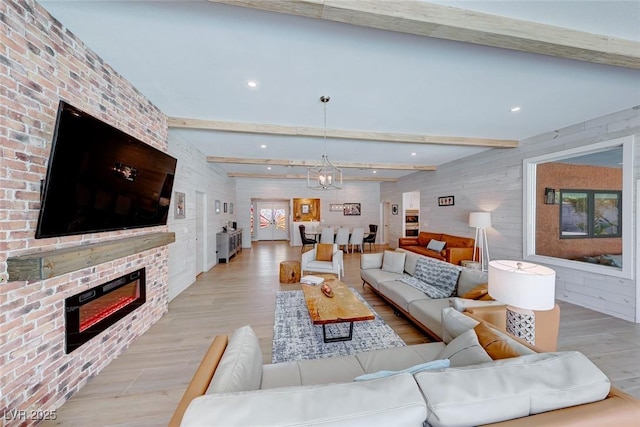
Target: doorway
(272, 217)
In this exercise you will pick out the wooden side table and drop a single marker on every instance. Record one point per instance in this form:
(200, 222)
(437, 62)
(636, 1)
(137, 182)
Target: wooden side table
(290, 271)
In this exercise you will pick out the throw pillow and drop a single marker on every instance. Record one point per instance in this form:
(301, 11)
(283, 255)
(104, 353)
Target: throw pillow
(436, 245)
(480, 292)
(240, 368)
(494, 345)
(465, 350)
(469, 279)
(393, 261)
(324, 252)
(434, 364)
(454, 323)
(438, 274)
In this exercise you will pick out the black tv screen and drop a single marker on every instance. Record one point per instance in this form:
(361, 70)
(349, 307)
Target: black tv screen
(101, 179)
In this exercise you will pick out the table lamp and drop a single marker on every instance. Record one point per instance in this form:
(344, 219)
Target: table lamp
(524, 287)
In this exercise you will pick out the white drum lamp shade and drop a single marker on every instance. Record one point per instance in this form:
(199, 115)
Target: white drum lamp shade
(524, 287)
(480, 219)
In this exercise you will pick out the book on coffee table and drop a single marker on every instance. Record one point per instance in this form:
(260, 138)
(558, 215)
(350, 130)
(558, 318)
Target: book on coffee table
(311, 280)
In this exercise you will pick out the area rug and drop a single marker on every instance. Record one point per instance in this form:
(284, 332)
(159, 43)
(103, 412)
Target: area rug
(295, 337)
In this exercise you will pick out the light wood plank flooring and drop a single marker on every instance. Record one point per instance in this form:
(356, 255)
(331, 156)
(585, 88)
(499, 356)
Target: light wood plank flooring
(143, 385)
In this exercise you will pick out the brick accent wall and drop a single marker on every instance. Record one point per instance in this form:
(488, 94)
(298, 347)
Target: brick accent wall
(41, 62)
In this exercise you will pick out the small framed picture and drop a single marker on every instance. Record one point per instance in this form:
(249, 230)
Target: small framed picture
(305, 209)
(446, 201)
(351, 209)
(217, 206)
(394, 209)
(336, 207)
(224, 207)
(179, 208)
(230, 207)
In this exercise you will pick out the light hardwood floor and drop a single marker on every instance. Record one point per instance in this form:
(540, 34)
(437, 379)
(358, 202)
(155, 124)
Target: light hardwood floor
(144, 384)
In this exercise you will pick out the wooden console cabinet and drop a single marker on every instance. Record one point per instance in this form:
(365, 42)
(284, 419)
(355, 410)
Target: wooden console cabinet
(228, 244)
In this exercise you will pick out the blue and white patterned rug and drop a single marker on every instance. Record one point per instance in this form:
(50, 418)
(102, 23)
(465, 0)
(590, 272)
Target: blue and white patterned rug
(295, 337)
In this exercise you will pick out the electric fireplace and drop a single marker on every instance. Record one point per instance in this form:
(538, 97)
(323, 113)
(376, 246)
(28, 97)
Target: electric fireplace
(91, 312)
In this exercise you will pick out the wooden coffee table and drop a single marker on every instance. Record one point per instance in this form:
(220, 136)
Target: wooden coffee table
(344, 307)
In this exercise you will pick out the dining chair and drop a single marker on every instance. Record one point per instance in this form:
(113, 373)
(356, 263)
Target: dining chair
(327, 235)
(342, 238)
(305, 240)
(356, 238)
(371, 237)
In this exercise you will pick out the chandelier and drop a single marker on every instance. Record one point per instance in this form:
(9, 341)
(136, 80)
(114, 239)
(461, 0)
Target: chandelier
(324, 176)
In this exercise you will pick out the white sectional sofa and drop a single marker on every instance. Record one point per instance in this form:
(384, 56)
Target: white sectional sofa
(232, 387)
(383, 271)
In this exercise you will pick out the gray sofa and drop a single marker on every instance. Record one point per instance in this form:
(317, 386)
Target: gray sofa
(233, 388)
(383, 273)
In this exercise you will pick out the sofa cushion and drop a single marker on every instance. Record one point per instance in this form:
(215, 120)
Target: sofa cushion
(464, 350)
(425, 236)
(376, 276)
(461, 304)
(400, 293)
(427, 312)
(410, 260)
(329, 370)
(371, 261)
(393, 262)
(436, 245)
(454, 324)
(324, 252)
(398, 358)
(240, 368)
(457, 242)
(510, 388)
(284, 374)
(496, 346)
(469, 279)
(480, 292)
(343, 404)
(434, 364)
(439, 274)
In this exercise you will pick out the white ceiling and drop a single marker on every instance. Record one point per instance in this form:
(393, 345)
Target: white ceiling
(193, 59)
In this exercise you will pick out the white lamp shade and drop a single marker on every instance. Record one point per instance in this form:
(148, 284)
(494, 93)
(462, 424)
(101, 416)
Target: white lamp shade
(480, 219)
(522, 284)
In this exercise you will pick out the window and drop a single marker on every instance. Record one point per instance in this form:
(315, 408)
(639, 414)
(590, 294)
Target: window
(590, 213)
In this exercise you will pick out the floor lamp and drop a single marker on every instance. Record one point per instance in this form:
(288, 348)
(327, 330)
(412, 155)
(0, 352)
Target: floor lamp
(480, 221)
(524, 287)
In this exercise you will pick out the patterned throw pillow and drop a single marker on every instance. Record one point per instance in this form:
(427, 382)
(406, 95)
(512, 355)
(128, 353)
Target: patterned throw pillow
(439, 274)
(436, 245)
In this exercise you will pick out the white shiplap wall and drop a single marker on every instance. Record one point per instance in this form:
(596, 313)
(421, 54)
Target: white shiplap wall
(365, 193)
(194, 175)
(493, 181)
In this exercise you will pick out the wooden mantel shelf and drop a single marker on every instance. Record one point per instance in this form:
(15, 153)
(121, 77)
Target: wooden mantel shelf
(48, 264)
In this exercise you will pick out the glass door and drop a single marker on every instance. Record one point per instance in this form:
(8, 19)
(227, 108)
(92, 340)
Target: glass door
(273, 221)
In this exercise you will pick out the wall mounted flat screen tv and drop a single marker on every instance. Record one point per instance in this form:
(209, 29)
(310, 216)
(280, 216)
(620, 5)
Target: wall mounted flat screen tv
(101, 179)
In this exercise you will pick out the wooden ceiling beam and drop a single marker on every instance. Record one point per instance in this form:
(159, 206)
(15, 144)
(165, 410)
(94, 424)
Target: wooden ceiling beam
(307, 163)
(451, 23)
(271, 129)
(294, 176)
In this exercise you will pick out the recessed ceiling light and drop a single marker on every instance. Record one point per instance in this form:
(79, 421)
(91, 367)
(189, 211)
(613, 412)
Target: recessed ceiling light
(252, 83)
(375, 171)
(263, 146)
(414, 154)
(268, 168)
(515, 109)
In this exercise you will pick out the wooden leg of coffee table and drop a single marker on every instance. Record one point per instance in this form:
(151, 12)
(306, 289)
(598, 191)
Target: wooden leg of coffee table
(337, 339)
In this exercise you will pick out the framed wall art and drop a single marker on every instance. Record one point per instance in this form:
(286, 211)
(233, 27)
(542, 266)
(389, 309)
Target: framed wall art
(217, 206)
(446, 201)
(336, 207)
(224, 207)
(351, 209)
(179, 207)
